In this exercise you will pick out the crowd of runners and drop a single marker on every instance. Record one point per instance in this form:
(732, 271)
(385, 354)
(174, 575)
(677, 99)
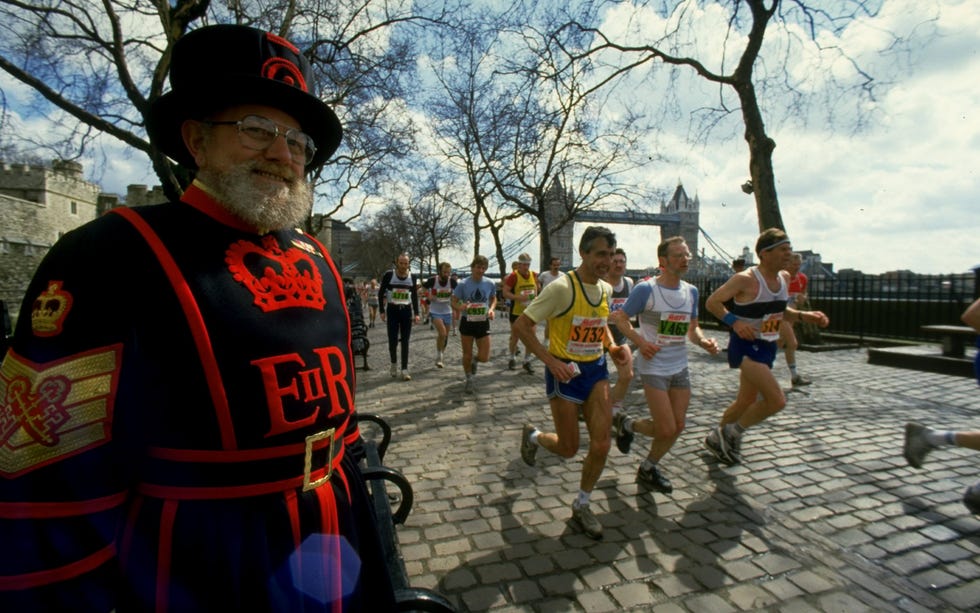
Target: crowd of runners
(594, 311)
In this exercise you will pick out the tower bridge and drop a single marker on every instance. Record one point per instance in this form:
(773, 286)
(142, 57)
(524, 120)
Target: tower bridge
(680, 216)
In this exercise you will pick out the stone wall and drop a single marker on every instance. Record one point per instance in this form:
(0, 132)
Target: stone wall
(38, 205)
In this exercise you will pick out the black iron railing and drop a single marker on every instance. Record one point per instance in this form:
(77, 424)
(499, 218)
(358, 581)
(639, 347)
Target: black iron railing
(891, 306)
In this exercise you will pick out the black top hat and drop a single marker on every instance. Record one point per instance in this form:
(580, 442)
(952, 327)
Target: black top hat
(215, 67)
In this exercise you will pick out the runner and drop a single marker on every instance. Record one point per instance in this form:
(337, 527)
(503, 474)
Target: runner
(372, 301)
(475, 299)
(668, 310)
(398, 299)
(787, 337)
(576, 373)
(621, 288)
(760, 296)
(520, 287)
(439, 290)
(546, 277)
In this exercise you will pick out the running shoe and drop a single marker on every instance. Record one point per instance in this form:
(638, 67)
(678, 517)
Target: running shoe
(800, 381)
(972, 498)
(394, 370)
(406, 376)
(527, 367)
(732, 444)
(439, 363)
(586, 519)
(624, 438)
(528, 448)
(654, 479)
(512, 364)
(916, 445)
(468, 386)
(712, 443)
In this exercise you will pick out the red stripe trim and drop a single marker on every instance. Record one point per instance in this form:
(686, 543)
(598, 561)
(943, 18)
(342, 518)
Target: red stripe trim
(165, 554)
(126, 541)
(172, 492)
(339, 278)
(194, 320)
(48, 510)
(219, 456)
(62, 573)
(292, 507)
(232, 457)
(330, 525)
(196, 196)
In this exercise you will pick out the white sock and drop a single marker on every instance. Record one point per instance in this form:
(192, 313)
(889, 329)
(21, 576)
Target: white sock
(939, 438)
(534, 436)
(582, 499)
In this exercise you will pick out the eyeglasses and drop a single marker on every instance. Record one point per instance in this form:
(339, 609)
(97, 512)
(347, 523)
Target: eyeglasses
(258, 133)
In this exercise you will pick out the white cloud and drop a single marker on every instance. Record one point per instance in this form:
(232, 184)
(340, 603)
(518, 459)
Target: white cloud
(903, 194)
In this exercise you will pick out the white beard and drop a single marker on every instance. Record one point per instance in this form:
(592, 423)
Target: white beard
(266, 208)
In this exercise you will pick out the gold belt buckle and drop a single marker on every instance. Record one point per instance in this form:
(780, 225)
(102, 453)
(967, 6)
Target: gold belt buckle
(311, 440)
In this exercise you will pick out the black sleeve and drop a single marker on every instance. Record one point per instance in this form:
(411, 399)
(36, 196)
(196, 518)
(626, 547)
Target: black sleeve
(383, 290)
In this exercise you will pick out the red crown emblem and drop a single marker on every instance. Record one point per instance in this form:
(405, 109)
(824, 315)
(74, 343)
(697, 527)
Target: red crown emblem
(278, 279)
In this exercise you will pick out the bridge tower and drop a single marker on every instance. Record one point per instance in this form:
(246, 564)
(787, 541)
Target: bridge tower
(688, 212)
(555, 211)
(679, 216)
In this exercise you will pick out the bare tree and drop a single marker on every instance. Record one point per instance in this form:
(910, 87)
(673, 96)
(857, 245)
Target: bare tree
(541, 125)
(437, 224)
(101, 69)
(800, 21)
(456, 110)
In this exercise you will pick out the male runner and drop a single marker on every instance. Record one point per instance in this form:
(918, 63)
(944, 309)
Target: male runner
(621, 288)
(553, 272)
(398, 297)
(546, 277)
(760, 296)
(520, 287)
(668, 310)
(440, 292)
(475, 299)
(920, 440)
(787, 337)
(577, 306)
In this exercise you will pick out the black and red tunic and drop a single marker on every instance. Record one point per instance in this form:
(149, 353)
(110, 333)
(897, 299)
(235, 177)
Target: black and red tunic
(177, 430)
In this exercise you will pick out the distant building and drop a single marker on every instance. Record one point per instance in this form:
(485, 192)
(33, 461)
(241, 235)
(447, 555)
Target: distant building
(38, 205)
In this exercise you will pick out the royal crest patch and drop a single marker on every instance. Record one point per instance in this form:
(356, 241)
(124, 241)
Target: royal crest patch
(50, 309)
(277, 278)
(56, 410)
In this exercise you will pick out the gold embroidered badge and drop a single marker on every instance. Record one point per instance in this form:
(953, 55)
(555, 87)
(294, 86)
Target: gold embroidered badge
(54, 411)
(50, 309)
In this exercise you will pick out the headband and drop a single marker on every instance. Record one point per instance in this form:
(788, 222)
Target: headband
(774, 245)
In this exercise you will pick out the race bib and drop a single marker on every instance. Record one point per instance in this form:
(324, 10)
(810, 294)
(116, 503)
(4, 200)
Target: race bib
(528, 293)
(401, 296)
(586, 336)
(616, 304)
(442, 295)
(476, 311)
(769, 328)
(672, 328)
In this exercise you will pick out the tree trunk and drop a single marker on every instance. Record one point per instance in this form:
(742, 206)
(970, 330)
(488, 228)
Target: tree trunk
(760, 160)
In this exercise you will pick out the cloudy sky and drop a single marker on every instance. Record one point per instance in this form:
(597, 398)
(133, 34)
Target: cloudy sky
(901, 194)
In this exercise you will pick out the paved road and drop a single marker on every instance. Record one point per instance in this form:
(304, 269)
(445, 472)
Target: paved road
(823, 514)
